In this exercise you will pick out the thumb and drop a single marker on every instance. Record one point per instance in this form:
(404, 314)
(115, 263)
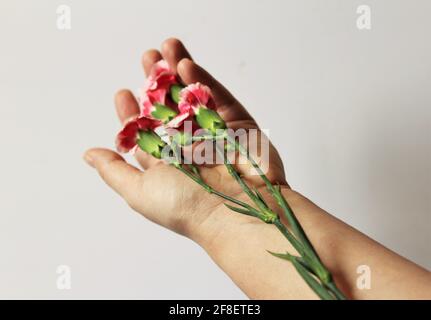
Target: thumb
(124, 178)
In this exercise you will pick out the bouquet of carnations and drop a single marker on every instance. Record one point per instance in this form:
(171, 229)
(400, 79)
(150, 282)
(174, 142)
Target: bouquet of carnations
(175, 118)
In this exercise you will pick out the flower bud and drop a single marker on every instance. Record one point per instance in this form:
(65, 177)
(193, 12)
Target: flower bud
(151, 143)
(209, 119)
(163, 113)
(175, 92)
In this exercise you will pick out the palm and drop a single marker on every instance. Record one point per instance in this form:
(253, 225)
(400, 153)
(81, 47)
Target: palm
(174, 196)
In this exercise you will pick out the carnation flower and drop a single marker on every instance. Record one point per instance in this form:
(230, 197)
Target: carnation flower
(154, 101)
(196, 100)
(139, 132)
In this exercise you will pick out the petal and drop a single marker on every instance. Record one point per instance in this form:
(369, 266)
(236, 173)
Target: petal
(159, 67)
(194, 96)
(145, 105)
(126, 138)
(149, 98)
(161, 77)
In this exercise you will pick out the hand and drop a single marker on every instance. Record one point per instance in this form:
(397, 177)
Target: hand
(166, 196)
(162, 193)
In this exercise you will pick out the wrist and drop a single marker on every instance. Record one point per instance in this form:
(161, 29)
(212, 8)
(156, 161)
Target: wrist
(223, 225)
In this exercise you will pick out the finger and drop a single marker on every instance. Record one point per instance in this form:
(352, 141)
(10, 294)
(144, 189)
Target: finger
(228, 107)
(124, 178)
(173, 51)
(149, 58)
(126, 105)
(127, 108)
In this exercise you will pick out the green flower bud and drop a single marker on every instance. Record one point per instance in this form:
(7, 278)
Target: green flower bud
(209, 119)
(163, 113)
(151, 143)
(175, 92)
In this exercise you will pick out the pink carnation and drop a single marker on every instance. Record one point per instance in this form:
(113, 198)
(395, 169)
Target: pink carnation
(157, 87)
(128, 136)
(195, 96)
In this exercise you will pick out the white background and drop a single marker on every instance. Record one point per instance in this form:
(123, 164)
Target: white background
(349, 111)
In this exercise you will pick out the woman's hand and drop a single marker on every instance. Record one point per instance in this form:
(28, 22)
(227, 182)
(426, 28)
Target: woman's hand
(162, 193)
(238, 243)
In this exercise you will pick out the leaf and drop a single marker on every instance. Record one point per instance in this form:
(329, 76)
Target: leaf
(317, 287)
(259, 195)
(306, 274)
(284, 256)
(240, 210)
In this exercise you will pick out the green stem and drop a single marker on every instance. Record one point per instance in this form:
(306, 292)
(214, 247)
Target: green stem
(296, 227)
(317, 287)
(288, 235)
(208, 137)
(241, 182)
(304, 248)
(308, 265)
(334, 289)
(211, 190)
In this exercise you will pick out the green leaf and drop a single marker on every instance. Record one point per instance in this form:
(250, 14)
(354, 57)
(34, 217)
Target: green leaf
(163, 113)
(317, 287)
(175, 92)
(259, 195)
(240, 210)
(306, 273)
(195, 170)
(284, 256)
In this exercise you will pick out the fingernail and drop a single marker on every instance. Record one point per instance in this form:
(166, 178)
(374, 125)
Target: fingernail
(89, 159)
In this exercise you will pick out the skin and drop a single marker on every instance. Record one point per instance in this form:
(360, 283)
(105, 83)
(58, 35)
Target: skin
(238, 243)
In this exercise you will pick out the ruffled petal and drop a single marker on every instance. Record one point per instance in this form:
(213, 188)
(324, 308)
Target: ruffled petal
(161, 77)
(127, 137)
(195, 96)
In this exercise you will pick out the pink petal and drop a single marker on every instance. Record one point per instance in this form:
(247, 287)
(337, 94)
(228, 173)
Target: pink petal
(161, 77)
(149, 98)
(194, 96)
(126, 138)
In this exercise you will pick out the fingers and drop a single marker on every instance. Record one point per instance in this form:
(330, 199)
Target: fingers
(127, 108)
(149, 58)
(179, 60)
(124, 178)
(173, 51)
(229, 108)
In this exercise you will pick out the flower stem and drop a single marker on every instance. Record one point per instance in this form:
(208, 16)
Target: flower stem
(308, 265)
(281, 201)
(254, 197)
(211, 190)
(297, 229)
(300, 240)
